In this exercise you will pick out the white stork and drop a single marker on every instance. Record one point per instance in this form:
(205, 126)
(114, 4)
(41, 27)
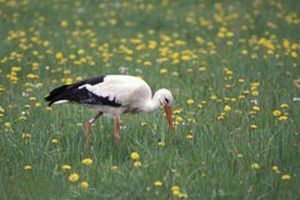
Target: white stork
(113, 95)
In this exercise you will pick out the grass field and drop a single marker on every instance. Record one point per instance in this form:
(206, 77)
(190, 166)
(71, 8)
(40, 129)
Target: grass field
(230, 67)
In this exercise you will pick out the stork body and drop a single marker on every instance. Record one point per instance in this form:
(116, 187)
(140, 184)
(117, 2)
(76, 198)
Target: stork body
(113, 95)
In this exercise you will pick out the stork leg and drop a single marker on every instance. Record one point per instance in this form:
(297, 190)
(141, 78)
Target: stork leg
(117, 133)
(87, 127)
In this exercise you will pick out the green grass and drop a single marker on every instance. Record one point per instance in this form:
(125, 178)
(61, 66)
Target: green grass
(216, 162)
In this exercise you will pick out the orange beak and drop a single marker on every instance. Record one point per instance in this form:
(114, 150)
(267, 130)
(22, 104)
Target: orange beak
(168, 111)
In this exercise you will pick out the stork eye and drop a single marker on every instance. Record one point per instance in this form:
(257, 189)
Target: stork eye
(167, 100)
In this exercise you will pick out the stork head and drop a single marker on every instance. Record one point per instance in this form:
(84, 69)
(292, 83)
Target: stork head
(165, 99)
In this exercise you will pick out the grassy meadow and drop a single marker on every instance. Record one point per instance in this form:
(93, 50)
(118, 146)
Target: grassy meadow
(231, 66)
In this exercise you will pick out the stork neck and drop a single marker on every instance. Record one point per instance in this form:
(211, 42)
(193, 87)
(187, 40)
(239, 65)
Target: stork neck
(153, 104)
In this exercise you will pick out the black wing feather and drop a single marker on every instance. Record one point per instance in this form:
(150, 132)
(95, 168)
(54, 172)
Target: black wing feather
(74, 94)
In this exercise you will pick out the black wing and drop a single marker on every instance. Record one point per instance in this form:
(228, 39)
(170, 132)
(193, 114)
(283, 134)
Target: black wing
(76, 94)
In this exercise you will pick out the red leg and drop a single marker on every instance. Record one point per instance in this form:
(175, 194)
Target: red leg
(87, 128)
(117, 133)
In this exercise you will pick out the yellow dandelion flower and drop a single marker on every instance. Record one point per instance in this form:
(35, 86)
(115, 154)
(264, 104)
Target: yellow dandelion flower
(213, 97)
(137, 164)
(147, 63)
(275, 169)
(182, 195)
(202, 69)
(78, 78)
(143, 124)
(226, 99)
(229, 34)
(114, 167)
(73, 177)
(221, 117)
(176, 193)
(203, 102)
(294, 54)
(79, 124)
(66, 167)
(245, 92)
(227, 108)
(255, 166)
(161, 143)
(283, 118)
(284, 105)
(296, 82)
(158, 183)
(256, 108)
(68, 81)
(26, 136)
(189, 136)
(200, 105)
(190, 101)
(32, 98)
(38, 104)
(220, 35)
(241, 80)
(174, 62)
(227, 86)
(2, 88)
(24, 118)
(240, 155)
(175, 188)
(81, 51)
(255, 93)
(16, 69)
(135, 156)
(7, 125)
(48, 108)
(200, 40)
(229, 43)
(59, 55)
(67, 71)
(175, 73)
(189, 70)
(46, 43)
(27, 167)
(64, 23)
(87, 161)
(84, 184)
(276, 113)
(252, 112)
(253, 126)
(35, 65)
(163, 71)
(54, 141)
(79, 23)
(178, 111)
(32, 76)
(244, 52)
(72, 56)
(285, 177)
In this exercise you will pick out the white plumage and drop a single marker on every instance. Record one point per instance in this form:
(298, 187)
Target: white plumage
(113, 95)
(129, 91)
